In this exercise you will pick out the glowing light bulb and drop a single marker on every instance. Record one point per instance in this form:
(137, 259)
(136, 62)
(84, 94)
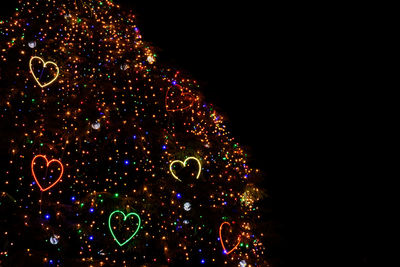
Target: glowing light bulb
(150, 59)
(54, 239)
(32, 44)
(96, 125)
(187, 206)
(124, 66)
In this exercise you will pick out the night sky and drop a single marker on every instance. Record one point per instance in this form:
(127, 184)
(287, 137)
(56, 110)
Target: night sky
(264, 67)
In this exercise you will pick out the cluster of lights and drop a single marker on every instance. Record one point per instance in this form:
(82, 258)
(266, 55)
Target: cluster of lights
(87, 96)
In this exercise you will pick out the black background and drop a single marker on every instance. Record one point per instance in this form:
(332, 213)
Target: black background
(283, 75)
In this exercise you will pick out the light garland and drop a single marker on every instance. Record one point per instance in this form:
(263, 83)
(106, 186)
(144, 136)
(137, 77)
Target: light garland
(120, 122)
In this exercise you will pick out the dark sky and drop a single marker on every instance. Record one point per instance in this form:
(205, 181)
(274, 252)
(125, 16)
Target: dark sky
(244, 54)
(280, 73)
(235, 51)
(225, 49)
(238, 53)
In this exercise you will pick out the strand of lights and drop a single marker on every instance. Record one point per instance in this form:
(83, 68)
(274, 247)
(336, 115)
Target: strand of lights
(90, 42)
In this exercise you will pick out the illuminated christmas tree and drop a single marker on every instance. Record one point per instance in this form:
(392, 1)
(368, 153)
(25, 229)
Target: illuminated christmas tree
(114, 159)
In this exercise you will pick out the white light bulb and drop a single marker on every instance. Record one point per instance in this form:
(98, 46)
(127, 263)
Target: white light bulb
(124, 66)
(54, 239)
(187, 206)
(151, 59)
(96, 125)
(32, 44)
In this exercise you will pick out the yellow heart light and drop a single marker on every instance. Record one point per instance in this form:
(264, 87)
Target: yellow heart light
(183, 163)
(44, 66)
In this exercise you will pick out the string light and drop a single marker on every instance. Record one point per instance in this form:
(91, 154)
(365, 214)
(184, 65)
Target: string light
(119, 121)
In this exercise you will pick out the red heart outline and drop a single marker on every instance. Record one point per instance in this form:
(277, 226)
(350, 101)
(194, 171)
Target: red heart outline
(47, 165)
(222, 241)
(190, 97)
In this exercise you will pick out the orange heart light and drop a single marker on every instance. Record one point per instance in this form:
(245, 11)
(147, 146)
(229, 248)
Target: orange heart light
(226, 252)
(48, 163)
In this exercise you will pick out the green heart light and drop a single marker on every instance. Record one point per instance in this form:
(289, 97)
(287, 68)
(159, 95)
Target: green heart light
(125, 217)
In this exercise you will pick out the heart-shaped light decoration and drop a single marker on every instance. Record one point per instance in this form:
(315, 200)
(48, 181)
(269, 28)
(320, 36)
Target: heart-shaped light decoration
(179, 101)
(183, 163)
(222, 241)
(44, 66)
(48, 163)
(124, 217)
